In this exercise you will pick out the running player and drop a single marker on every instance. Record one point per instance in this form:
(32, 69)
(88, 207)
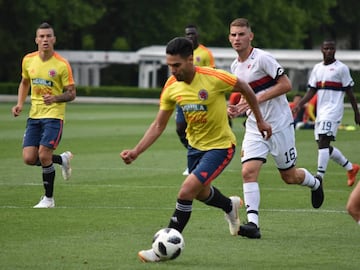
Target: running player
(331, 79)
(270, 84)
(200, 91)
(51, 81)
(202, 57)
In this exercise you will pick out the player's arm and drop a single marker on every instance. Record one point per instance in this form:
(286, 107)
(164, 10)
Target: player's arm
(69, 94)
(245, 89)
(354, 105)
(150, 136)
(282, 86)
(23, 92)
(309, 94)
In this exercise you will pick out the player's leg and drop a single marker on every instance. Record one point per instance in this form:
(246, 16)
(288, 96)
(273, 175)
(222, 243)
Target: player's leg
(205, 167)
(32, 137)
(325, 132)
(285, 156)
(50, 138)
(255, 150)
(213, 163)
(351, 168)
(353, 204)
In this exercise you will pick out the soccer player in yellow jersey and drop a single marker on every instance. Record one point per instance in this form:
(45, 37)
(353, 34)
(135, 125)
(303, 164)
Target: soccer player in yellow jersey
(200, 91)
(202, 57)
(49, 76)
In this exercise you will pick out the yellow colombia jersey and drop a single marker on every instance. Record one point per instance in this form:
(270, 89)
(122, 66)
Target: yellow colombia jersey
(203, 57)
(204, 105)
(47, 77)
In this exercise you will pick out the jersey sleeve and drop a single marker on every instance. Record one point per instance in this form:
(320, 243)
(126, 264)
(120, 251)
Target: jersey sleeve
(346, 79)
(271, 66)
(166, 103)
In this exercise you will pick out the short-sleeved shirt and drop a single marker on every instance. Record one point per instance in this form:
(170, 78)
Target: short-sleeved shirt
(330, 81)
(261, 70)
(203, 102)
(46, 77)
(203, 57)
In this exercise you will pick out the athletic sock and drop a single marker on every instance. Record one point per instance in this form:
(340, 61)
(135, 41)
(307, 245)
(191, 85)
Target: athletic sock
(48, 174)
(252, 201)
(323, 160)
(181, 215)
(217, 199)
(55, 159)
(309, 180)
(340, 159)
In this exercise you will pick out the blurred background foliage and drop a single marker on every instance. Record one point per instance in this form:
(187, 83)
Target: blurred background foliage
(128, 25)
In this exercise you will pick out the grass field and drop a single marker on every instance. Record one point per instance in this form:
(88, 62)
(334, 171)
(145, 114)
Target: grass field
(109, 211)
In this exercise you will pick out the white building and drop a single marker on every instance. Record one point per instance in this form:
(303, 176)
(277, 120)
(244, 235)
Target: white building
(87, 64)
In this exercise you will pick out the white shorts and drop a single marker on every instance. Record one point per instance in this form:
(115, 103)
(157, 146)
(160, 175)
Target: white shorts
(328, 128)
(281, 146)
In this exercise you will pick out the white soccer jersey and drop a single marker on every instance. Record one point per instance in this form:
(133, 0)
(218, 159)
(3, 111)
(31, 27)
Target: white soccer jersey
(330, 81)
(261, 71)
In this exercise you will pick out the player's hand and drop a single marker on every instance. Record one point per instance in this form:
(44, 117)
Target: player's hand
(238, 109)
(48, 99)
(16, 110)
(265, 129)
(296, 109)
(128, 156)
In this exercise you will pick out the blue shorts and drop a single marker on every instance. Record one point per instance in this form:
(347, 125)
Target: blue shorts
(207, 165)
(179, 115)
(46, 131)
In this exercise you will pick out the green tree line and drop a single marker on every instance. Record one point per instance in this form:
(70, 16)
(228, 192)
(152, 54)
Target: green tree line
(129, 25)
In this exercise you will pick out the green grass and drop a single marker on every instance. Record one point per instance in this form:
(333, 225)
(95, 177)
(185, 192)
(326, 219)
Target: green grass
(109, 211)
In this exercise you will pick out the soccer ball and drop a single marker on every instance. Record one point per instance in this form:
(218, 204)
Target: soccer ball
(168, 243)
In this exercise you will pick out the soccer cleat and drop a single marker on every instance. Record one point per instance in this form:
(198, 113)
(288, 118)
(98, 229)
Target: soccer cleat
(317, 196)
(45, 202)
(250, 230)
(148, 256)
(65, 167)
(233, 216)
(186, 172)
(352, 174)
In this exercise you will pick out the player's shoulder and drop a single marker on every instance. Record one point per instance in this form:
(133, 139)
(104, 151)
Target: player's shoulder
(171, 81)
(31, 55)
(60, 58)
(257, 52)
(341, 64)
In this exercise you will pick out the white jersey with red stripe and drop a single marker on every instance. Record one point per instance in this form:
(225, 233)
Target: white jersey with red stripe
(261, 70)
(330, 81)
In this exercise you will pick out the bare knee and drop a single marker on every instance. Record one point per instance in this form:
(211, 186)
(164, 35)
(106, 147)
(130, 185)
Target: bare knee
(30, 159)
(292, 176)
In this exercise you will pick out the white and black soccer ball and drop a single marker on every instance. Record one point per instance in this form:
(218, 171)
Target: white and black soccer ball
(168, 243)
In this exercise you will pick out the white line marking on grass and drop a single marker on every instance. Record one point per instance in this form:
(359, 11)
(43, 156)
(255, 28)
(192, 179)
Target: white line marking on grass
(318, 211)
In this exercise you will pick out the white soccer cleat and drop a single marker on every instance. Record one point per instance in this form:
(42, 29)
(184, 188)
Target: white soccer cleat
(148, 256)
(186, 172)
(233, 217)
(45, 202)
(65, 167)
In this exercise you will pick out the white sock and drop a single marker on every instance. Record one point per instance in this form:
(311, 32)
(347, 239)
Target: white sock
(252, 201)
(340, 159)
(323, 160)
(309, 180)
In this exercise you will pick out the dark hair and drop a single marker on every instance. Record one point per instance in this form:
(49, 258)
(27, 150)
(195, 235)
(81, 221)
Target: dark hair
(180, 46)
(191, 26)
(44, 25)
